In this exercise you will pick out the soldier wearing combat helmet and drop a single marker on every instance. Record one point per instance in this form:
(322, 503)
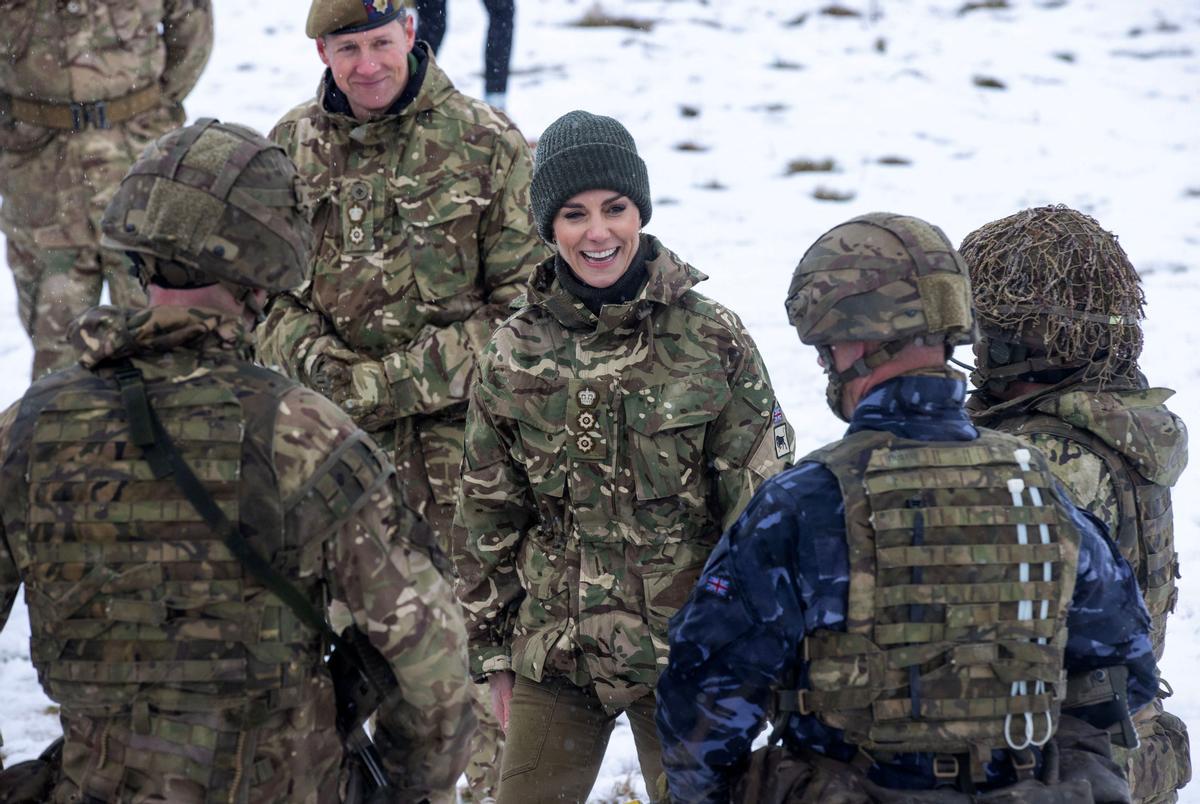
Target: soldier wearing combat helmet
(907, 599)
(1059, 306)
(145, 490)
(85, 86)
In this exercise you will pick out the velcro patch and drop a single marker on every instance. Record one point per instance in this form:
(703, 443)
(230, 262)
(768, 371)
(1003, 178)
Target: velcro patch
(718, 585)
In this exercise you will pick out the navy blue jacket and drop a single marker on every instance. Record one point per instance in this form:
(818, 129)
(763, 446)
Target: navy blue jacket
(782, 571)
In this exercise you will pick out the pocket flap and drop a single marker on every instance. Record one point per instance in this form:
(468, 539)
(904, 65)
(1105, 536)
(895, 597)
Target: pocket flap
(450, 198)
(681, 403)
(540, 404)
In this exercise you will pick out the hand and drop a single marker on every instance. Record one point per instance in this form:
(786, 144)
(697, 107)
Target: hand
(501, 685)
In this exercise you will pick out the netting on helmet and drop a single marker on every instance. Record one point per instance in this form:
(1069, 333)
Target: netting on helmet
(1057, 287)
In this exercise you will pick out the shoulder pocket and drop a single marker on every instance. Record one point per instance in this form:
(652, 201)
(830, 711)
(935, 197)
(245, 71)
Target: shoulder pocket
(668, 424)
(441, 229)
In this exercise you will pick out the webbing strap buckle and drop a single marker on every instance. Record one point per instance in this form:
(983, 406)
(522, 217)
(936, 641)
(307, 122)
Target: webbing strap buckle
(945, 767)
(94, 114)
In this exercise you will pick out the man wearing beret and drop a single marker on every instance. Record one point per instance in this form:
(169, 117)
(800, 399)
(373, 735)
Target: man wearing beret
(420, 204)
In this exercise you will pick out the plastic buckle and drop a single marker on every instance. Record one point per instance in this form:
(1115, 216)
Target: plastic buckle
(945, 768)
(97, 114)
(802, 702)
(1023, 760)
(78, 117)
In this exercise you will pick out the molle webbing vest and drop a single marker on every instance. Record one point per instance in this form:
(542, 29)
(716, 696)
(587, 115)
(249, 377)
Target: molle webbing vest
(1145, 531)
(164, 652)
(962, 568)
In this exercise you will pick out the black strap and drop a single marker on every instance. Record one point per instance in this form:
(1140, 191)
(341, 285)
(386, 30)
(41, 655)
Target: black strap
(148, 433)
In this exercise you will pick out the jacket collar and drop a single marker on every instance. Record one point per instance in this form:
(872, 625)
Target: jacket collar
(104, 334)
(428, 86)
(668, 279)
(925, 405)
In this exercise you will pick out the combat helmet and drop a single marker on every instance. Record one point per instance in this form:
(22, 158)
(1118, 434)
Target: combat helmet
(1057, 300)
(212, 203)
(890, 279)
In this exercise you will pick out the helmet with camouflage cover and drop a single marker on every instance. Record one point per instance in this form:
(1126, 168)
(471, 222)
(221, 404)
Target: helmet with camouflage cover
(1057, 299)
(890, 280)
(212, 203)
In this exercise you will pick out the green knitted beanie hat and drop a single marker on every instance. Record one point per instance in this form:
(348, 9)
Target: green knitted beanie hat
(579, 152)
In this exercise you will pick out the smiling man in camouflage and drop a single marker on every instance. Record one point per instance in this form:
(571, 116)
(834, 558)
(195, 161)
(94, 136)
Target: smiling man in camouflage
(420, 199)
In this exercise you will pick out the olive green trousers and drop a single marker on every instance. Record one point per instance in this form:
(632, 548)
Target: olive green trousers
(557, 735)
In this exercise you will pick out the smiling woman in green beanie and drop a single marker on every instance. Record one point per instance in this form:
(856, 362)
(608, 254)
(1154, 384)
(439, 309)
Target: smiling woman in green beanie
(618, 423)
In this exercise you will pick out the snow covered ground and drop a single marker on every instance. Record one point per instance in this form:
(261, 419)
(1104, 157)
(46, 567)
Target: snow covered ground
(959, 112)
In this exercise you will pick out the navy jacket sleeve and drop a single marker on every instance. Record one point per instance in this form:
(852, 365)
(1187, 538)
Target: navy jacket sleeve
(1108, 623)
(737, 638)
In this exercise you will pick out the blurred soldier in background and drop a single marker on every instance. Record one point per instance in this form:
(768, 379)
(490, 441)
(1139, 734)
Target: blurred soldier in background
(431, 19)
(181, 672)
(907, 598)
(85, 85)
(423, 236)
(1059, 306)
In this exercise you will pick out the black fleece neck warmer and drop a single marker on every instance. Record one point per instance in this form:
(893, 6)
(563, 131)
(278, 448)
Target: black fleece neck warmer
(619, 292)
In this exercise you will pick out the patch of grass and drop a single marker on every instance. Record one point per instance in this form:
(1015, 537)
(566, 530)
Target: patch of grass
(805, 165)
(711, 184)
(771, 108)
(597, 17)
(894, 161)
(981, 5)
(691, 147)
(784, 64)
(836, 10)
(688, 111)
(1064, 55)
(987, 82)
(823, 193)
(1192, 192)
(796, 22)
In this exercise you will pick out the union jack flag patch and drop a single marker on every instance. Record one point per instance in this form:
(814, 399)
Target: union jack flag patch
(717, 585)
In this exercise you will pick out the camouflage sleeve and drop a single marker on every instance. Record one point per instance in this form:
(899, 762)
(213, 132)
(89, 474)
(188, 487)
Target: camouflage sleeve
(10, 578)
(509, 247)
(188, 34)
(751, 440)
(1085, 475)
(381, 566)
(495, 506)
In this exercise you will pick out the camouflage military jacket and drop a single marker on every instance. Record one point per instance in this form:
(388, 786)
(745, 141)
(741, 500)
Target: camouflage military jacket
(179, 676)
(1119, 452)
(604, 455)
(422, 227)
(88, 50)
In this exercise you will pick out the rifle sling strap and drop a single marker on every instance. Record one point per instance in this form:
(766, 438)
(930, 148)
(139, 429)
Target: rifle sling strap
(148, 433)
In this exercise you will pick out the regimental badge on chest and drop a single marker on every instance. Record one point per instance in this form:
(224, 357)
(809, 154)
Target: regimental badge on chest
(358, 225)
(587, 421)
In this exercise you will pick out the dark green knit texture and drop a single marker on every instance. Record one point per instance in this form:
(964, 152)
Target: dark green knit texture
(579, 152)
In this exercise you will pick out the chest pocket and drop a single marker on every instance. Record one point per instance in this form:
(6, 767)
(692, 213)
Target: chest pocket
(667, 426)
(441, 232)
(538, 407)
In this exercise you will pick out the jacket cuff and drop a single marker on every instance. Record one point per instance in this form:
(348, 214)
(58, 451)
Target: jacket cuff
(485, 661)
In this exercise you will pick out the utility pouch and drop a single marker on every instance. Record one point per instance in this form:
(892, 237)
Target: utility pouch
(32, 781)
(1099, 697)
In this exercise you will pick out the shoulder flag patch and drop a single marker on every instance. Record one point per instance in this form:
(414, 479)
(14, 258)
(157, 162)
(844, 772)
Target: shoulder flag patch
(718, 585)
(779, 431)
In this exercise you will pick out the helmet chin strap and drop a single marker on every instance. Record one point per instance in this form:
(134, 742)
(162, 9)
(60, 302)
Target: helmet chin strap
(245, 295)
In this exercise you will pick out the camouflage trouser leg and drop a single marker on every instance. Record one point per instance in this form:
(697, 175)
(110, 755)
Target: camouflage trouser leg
(56, 286)
(428, 457)
(1162, 764)
(54, 196)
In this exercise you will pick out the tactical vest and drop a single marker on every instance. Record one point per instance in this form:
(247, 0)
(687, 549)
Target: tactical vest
(1145, 531)
(962, 568)
(164, 652)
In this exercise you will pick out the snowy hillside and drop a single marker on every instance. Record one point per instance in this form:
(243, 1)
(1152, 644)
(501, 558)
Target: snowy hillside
(765, 122)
